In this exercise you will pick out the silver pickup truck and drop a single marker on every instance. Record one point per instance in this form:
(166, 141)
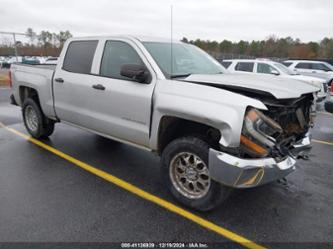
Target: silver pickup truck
(214, 131)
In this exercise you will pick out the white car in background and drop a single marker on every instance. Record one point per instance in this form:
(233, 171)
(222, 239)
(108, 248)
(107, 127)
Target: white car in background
(15, 59)
(320, 69)
(264, 66)
(51, 60)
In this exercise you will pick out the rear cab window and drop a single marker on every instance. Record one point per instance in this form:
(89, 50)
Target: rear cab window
(79, 56)
(304, 65)
(245, 66)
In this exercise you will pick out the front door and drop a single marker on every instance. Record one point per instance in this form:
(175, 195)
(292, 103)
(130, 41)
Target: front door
(121, 107)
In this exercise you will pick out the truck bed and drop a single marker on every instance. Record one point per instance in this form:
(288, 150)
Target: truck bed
(38, 77)
(44, 66)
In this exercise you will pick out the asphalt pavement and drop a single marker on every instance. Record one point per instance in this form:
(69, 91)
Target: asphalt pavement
(44, 198)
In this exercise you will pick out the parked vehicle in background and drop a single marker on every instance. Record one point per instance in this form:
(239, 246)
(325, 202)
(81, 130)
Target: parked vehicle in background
(30, 61)
(2, 59)
(51, 60)
(214, 130)
(319, 69)
(264, 66)
(9, 60)
(329, 101)
(42, 59)
(5, 63)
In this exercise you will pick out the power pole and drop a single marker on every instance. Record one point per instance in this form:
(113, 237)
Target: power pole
(14, 37)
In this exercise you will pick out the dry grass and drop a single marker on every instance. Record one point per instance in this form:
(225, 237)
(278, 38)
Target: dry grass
(4, 81)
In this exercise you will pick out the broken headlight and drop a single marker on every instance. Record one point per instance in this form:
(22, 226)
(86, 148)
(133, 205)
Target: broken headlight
(259, 133)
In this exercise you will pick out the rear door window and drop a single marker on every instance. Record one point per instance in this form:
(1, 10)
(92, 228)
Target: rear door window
(304, 65)
(244, 66)
(79, 56)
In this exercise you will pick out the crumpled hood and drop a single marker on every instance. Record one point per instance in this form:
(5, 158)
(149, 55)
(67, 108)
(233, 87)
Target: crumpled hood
(280, 88)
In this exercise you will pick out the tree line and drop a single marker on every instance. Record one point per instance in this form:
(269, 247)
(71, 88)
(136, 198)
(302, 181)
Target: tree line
(45, 43)
(272, 47)
(50, 44)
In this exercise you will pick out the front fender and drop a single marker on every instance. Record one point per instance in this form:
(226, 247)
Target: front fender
(221, 109)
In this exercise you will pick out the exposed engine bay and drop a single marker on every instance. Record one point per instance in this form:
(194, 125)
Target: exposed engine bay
(274, 132)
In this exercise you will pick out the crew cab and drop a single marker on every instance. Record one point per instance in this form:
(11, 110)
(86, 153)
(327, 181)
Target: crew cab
(266, 66)
(214, 131)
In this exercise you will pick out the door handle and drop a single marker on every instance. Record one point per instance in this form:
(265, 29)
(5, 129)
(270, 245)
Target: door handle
(99, 87)
(59, 80)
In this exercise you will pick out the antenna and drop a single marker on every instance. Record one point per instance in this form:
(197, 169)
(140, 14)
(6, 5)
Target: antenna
(171, 36)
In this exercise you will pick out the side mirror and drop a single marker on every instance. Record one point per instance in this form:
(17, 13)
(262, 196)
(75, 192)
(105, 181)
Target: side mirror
(136, 72)
(275, 72)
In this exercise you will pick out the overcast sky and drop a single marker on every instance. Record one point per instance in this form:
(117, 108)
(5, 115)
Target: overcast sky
(309, 20)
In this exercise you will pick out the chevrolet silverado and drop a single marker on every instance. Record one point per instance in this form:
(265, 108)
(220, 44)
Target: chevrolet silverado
(214, 131)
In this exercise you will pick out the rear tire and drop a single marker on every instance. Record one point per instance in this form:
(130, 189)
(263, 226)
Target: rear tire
(35, 122)
(190, 182)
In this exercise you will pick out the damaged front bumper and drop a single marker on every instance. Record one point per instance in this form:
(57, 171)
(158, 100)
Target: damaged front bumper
(246, 173)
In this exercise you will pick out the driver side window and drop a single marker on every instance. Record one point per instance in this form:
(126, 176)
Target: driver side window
(265, 68)
(115, 55)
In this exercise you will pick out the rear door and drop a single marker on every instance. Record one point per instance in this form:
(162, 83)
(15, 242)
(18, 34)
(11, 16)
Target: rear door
(304, 68)
(72, 83)
(312, 69)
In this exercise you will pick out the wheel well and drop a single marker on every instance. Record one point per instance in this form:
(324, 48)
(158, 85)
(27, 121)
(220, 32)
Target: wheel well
(28, 92)
(171, 128)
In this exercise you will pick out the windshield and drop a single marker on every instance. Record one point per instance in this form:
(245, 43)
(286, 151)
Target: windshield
(284, 69)
(186, 59)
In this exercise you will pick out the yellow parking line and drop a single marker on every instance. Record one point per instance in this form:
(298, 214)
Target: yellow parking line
(321, 142)
(143, 194)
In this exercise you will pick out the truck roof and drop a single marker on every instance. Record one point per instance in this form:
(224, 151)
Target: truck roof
(251, 60)
(309, 61)
(131, 37)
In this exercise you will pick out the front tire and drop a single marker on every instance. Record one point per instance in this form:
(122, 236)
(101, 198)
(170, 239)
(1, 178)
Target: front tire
(186, 173)
(35, 122)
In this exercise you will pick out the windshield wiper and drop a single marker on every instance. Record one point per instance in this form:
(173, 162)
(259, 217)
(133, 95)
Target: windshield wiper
(179, 75)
